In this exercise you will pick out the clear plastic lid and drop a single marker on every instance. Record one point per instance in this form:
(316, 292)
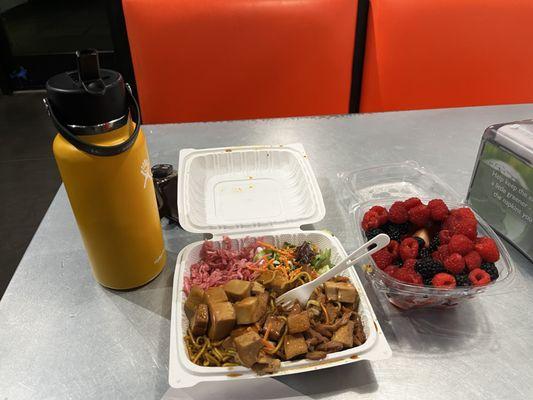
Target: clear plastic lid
(385, 184)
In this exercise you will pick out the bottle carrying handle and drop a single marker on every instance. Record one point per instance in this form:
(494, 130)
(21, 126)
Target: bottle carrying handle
(95, 150)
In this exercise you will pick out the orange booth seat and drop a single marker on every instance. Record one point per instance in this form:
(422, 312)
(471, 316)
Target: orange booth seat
(207, 60)
(447, 53)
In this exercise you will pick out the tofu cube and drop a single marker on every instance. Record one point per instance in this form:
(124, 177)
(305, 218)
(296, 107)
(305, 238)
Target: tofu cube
(200, 320)
(237, 289)
(279, 284)
(294, 345)
(257, 288)
(346, 292)
(340, 291)
(222, 320)
(330, 289)
(344, 335)
(265, 277)
(215, 295)
(298, 323)
(196, 297)
(245, 310)
(248, 346)
(262, 306)
(277, 325)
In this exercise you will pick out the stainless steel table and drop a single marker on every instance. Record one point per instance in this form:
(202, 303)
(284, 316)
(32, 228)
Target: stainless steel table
(64, 336)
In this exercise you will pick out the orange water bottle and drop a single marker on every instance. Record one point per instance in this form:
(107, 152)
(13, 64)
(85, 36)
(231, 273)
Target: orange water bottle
(103, 161)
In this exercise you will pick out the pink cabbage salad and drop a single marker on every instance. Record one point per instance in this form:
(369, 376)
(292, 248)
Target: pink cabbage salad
(220, 265)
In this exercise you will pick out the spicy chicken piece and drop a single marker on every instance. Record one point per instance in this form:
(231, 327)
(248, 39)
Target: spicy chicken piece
(298, 323)
(316, 355)
(196, 297)
(276, 324)
(200, 320)
(330, 347)
(222, 320)
(248, 346)
(215, 295)
(266, 364)
(294, 345)
(344, 335)
(237, 289)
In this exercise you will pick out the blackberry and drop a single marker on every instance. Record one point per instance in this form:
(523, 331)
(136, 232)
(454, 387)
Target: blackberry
(424, 253)
(490, 269)
(427, 281)
(434, 243)
(421, 242)
(462, 280)
(372, 233)
(404, 228)
(428, 268)
(393, 231)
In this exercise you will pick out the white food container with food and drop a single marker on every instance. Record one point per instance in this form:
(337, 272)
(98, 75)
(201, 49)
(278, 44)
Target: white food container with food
(263, 192)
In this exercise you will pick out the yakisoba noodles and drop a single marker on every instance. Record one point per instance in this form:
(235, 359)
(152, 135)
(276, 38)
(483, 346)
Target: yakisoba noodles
(238, 323)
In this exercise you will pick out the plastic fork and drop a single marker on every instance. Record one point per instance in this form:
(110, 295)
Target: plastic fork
(303, 292)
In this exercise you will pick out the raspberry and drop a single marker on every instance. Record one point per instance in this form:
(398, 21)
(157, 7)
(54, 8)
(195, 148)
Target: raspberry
(382, 258)
(460, 244)
(454, 263)
(394, 249)
(419, 215)
(439, 210)
(398, 213)
(443, 280)
(408, 248)
(464, 212)
(409, 264)
(462, 220)
(472, 260)
(444, 236)
(390, 269)
(408, 276)
(370, 220)
(478, 277)
(487, 249)
(491, 269)
(372, 233)
(383, 215)
(441, 253)
(412, 202)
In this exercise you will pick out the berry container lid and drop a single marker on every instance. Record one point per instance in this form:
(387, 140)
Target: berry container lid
(383, 185)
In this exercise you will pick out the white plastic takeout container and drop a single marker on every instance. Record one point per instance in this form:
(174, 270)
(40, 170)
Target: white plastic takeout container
(264, 192)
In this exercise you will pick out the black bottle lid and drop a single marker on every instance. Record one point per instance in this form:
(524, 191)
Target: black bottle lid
(89, 96)
(160, 171)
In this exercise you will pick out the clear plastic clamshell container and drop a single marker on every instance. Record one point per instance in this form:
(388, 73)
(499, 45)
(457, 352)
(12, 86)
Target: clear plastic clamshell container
(383, 185)
(266, 192)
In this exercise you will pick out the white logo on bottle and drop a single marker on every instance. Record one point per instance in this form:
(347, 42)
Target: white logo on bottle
(145, 170)
(160, 256)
